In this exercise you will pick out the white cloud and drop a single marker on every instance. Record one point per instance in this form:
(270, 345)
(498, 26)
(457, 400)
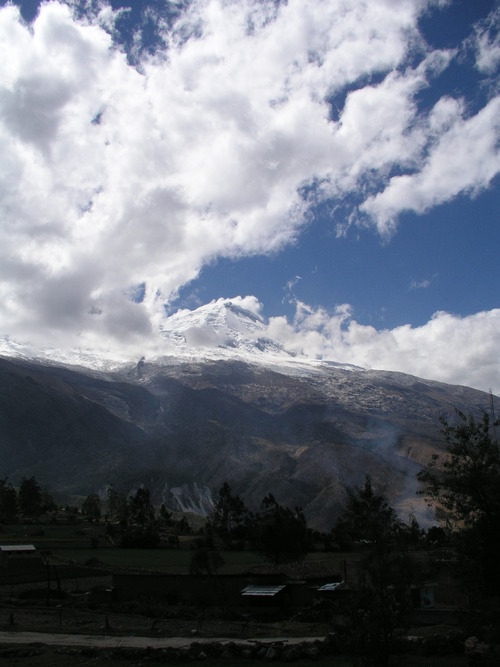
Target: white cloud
(420, 284)
(448, 348)
(487, 43)
(113, 176)
(464, 158)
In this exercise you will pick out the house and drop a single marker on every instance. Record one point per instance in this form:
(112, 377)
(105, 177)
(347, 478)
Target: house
(189, 589)
(268, 597)
(304, 581)
(290, 584)
(19, 556)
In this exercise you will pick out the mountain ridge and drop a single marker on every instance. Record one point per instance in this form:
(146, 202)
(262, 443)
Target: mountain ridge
(306, 430)
(179, 428)
(221, 329)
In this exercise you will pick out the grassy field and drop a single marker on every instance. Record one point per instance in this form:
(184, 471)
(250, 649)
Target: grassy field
(50, 536)
(74, 542)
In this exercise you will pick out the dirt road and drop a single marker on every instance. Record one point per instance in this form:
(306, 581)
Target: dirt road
(109, 641)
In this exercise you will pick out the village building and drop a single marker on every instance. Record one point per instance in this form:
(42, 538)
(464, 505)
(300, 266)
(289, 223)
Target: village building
(19, 556)
(264, 587)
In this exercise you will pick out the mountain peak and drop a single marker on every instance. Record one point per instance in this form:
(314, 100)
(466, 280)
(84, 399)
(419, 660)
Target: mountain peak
(232, 325)
(224, 329)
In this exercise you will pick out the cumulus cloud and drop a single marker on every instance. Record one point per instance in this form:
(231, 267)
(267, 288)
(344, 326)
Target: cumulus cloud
(464, 158)
(448, 348)
(120, 179)
(487, 43)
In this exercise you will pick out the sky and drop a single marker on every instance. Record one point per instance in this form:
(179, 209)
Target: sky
(332, 164)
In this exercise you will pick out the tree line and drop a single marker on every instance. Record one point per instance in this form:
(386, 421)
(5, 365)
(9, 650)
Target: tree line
(29, 501)
(462, 485)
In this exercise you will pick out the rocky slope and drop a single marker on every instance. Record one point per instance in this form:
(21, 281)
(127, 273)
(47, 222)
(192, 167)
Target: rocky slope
(182, 428)
(220, 401)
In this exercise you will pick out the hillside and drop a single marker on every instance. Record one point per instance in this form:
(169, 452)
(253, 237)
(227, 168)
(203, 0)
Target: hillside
(182, 428)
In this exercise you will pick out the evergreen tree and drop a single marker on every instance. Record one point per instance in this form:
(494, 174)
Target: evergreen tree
(8, 502)
(229, 519)
(141, 511)
(464, 487)
(91, 507)
(380, 602)
(278, 533)
(117, 506)
(367, 518)
(30, 497)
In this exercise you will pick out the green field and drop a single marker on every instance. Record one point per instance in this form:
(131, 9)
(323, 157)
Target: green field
(74, 543)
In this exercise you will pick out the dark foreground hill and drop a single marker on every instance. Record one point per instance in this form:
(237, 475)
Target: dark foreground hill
(183, 429)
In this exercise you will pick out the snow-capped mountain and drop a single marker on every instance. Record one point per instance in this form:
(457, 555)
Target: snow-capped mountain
(219, 401)
(224, 329)
(219, 329)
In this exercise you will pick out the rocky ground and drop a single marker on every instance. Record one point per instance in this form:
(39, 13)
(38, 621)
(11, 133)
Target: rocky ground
(37, 655)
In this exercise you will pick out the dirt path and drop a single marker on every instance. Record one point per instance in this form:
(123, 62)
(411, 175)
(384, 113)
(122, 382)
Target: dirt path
(109, 641)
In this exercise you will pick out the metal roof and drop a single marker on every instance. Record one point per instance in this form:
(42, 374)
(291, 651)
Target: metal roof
(330, 587)
(262, 591)
(17, 547)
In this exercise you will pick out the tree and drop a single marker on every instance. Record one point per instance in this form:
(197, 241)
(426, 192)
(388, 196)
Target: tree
(141, 510)
(380, 602)
(142, 530)
(230, 516)
(117, 506)
(30, 497)
(47, 503)
(8, 502)
(464, 487)
(165, 515)
(464, 484)
(91, 507)
(367, 518)
(280, 534)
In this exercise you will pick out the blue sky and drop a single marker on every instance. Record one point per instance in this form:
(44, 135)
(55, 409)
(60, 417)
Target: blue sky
(446, 259)
(337, 160)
